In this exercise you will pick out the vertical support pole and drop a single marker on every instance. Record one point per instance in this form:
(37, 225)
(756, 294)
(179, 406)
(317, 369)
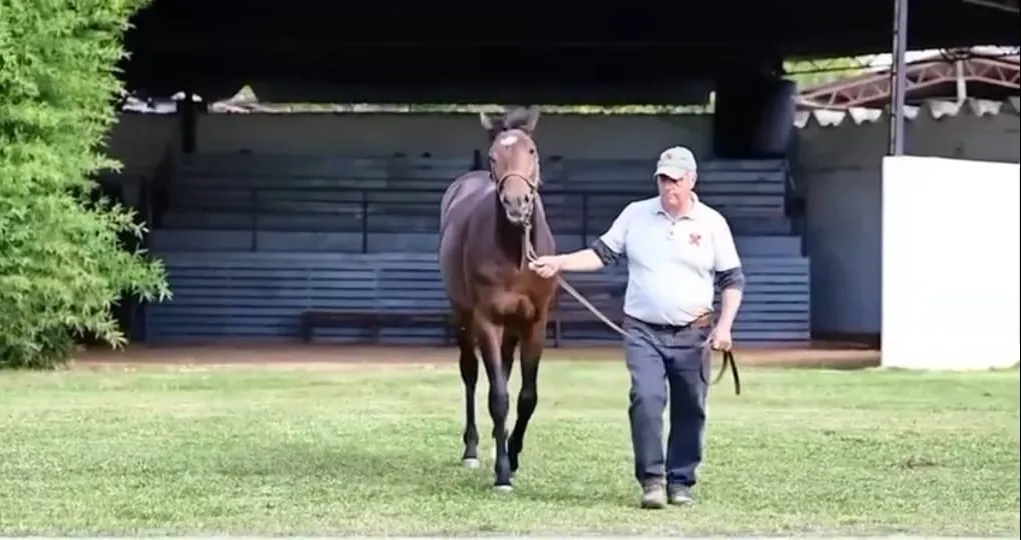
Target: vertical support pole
(188, 123)
(898, 76)
(365, 221)
(962, 85)
(584, 220)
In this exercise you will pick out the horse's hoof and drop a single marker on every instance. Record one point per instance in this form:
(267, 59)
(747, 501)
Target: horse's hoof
(470, 463)
(504, 488)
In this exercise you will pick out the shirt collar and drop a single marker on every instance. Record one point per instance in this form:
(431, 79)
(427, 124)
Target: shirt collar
(658, 208)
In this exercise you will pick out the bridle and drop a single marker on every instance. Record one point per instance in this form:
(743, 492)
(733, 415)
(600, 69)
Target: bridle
(533, 185)
(528, 255)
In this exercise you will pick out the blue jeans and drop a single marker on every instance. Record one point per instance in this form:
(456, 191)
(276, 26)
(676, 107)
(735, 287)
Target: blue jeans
(667, 362)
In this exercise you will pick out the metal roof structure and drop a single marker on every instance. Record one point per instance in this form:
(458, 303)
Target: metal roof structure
(938, 75)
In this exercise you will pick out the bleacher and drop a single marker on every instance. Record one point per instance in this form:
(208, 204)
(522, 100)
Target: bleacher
(253, 241)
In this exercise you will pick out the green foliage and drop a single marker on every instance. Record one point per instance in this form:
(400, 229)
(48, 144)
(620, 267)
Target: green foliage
(62, 266)
(811, 73)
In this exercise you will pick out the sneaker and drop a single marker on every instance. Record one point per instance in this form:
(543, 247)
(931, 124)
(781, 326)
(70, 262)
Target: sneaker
(679, 495)
(654, 495)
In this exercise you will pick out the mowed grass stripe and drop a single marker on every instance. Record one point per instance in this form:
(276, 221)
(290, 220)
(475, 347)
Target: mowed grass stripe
(376, 452)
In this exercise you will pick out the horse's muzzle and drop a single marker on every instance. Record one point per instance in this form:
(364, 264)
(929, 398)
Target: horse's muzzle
(518, 215)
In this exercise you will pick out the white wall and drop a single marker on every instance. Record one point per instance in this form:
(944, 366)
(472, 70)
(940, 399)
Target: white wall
(951, 270)
(839, 168)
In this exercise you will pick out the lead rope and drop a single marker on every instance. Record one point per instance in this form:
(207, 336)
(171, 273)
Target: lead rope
(528, 255)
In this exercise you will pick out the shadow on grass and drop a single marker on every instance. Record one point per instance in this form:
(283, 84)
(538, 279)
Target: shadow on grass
(410, 473)
(839, 364)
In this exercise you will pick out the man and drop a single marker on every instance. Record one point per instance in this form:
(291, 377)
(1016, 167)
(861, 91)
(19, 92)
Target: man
(676, 248)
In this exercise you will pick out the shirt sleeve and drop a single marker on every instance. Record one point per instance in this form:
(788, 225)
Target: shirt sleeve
(726, 257)
(612, 244)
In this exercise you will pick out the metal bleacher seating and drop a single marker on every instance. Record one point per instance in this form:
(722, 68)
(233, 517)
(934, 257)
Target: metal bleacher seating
(265, 294)
(252, 242)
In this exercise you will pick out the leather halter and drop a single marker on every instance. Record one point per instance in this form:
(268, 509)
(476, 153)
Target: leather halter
(533, 185)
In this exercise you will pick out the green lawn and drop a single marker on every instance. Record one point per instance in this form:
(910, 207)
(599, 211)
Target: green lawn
(376, 451)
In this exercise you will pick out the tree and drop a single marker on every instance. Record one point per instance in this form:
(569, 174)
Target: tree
(62, 265)
(810, 73)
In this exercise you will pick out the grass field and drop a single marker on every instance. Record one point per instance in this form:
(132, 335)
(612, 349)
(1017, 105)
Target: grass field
(375, 450)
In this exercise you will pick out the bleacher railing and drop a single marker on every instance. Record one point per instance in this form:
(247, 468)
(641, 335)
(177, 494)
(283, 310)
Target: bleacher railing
(381, 210)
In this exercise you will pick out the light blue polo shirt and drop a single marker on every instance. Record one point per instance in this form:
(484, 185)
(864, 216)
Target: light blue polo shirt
(671, 263)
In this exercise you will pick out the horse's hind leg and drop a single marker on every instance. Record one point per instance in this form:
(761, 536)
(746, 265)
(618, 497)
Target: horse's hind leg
(469, 365)
(531, 353)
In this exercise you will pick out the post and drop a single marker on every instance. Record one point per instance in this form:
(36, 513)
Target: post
(188, 111)
(962, 85)
(365, 221)
(254, 241)
(898, 76)
(584, 220)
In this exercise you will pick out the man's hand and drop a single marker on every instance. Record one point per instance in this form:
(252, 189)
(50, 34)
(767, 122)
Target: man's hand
(721, 339)
(546, 266)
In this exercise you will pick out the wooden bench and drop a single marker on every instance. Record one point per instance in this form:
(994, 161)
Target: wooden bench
(608, 297)
(375, 320)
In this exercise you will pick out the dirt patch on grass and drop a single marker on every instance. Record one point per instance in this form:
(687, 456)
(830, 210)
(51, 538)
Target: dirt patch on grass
(336, 357)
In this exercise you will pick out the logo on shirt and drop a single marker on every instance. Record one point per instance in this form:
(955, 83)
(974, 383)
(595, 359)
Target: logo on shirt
(695, 239)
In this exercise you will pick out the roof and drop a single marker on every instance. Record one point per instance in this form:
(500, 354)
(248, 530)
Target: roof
(301, 50)
(990, 75)
(934, 109)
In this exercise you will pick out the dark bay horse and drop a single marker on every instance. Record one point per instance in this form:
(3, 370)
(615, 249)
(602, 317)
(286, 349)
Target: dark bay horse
(488, 219)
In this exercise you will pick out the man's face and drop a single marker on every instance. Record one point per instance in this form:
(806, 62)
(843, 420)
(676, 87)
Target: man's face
(675, 190)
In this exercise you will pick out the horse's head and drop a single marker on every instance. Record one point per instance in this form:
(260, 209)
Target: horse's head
(514, 162)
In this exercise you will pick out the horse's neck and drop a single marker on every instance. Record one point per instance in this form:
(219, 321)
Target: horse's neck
(542, 235)
(508, 238)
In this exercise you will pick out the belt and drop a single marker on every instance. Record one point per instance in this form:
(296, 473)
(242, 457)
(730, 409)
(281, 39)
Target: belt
(704, 321)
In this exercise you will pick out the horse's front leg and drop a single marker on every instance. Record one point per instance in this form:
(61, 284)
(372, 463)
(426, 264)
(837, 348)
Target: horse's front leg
(532, 344)
(507, 349)
(490, 338)
(469, 365)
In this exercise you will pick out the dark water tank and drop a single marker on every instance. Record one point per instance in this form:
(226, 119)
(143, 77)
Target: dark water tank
(754, 117)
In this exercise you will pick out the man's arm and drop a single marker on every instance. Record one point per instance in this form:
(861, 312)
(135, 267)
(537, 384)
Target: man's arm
(729, 276)
(605, 250)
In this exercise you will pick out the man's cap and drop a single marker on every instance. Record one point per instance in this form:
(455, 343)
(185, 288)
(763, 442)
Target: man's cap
(675, 161)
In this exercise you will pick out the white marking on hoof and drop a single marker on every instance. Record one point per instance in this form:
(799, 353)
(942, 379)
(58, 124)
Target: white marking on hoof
(471, 463)
(503, 489)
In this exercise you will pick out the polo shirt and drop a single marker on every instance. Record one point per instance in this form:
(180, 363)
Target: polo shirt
(672, 263)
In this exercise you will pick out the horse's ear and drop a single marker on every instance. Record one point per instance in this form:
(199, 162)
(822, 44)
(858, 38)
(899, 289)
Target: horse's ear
(487, 122)
(531, 119)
